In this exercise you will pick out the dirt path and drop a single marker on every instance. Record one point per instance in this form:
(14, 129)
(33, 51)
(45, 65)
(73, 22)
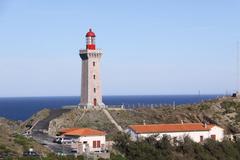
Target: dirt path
(112, 120)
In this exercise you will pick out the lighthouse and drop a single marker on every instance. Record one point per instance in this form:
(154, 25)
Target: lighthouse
(91, 94)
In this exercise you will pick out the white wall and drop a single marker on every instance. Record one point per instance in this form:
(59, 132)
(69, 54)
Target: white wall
(195, 135)
(219, 132)
(90, 140)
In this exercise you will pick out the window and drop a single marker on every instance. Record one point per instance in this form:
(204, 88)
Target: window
(93, 40)
(201, 138)
(94, 76)
(94, 63)
(94, 90)
(84, 142)
(95, 101)
(96, 144)
(88, 40)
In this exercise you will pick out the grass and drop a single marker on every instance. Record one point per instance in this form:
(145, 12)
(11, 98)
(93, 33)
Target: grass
(23, 141)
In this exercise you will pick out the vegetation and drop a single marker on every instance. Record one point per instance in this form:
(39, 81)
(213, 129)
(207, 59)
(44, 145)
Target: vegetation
(4, 149)
(55, 157)
(21, 140)
(224, 112)
(49, 157)
(204, 106)
(164, 149)
(230, 106)
(237, 117)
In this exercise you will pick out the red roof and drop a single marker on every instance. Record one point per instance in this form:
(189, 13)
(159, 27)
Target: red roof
(65, 130)
(159, 128)
(82, 132)
(90, 33)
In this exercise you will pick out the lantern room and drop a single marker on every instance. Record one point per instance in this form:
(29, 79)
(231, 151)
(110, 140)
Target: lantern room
(90, 40)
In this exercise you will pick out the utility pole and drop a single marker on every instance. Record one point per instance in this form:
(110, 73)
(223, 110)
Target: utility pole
(237, 78)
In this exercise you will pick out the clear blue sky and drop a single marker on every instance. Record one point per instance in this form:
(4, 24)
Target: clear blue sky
(150, 46)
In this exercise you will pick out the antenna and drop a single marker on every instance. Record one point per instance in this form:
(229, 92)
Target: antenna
(238, 83)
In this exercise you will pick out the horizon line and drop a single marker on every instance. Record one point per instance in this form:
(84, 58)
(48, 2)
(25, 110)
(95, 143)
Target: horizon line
(209, 94)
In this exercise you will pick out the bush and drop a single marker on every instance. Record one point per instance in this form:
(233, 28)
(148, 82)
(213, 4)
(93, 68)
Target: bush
(117, 157)
(21, 140)
(237, 117)
(203, 107)
(151, 149)
(230, 106)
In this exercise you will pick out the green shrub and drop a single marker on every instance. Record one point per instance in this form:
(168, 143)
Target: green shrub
(237, 117)
(117, 157)
(4, 149)
(204, 107)
(21, 140)
(230, 106)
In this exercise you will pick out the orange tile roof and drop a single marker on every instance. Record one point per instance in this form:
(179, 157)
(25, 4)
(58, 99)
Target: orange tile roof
(82, 132)
(159, 128)
(64, 130)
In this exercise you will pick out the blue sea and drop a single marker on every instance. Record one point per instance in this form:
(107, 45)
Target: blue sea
(23, 107)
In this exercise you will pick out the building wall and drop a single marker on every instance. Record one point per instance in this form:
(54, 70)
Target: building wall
(88, 82)
(219, 132)
(195, 136)
(84, 82)
(89, 139)
(94, 83)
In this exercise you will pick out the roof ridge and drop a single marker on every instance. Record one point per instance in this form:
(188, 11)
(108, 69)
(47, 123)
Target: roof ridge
(85, 131)
(166, 124)
(154, 128)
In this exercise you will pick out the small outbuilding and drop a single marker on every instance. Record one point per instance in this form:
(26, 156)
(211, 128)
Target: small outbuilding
(85, 139)
(198, 132)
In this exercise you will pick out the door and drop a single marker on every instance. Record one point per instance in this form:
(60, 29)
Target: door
(95, 102)
(213, 137)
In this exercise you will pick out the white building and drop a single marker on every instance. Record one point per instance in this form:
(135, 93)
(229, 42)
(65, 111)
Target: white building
(198, 132)
(85, 139)
(91, 94)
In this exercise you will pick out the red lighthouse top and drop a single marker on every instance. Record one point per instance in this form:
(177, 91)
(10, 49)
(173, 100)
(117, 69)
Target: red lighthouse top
(90, 40)
(90, 33)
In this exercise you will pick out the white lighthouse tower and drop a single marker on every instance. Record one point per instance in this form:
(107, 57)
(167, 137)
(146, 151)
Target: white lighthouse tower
(91, 95)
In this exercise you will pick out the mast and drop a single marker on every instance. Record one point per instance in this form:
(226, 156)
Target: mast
(237, 78)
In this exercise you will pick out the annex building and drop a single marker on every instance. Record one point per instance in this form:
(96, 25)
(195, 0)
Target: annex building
(198, 132)
(84, 139)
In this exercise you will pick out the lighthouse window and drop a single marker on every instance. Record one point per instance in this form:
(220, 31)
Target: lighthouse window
(94, 76)
(93, 40)
(94, 63)
(94, 90)
(88, 40)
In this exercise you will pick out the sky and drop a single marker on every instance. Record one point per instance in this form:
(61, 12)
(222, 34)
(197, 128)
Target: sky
(151, 47)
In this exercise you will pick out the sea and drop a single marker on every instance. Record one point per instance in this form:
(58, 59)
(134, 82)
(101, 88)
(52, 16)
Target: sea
(21, 108)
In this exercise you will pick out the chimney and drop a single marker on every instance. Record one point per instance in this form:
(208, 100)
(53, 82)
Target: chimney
(144, 123)
(205, 125)
(181, 121)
